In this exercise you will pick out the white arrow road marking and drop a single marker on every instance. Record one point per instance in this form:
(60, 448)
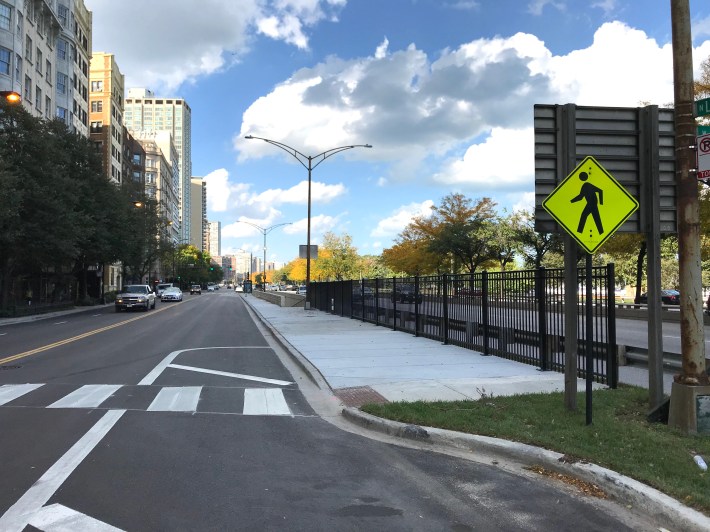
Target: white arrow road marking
(228, 374)
(58, 518)
(265, 401)
(157, 370)
(10, 392)
(89, 396)
(176, 399)
(20, 513)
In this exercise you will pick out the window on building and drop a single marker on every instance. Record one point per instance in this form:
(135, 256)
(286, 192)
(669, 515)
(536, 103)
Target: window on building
(47, 107)
(62, 114)
(62, 12)
(48, 71)
(19, 24)
(96, 126)
(136, 158)
(62, 49)
(5, 16)
(97, 106)
(38, 98)
(28, 89)
(18, 66)
(5, 65)
(38, 61)
(28, 49)
(97, 86)
(62, 80)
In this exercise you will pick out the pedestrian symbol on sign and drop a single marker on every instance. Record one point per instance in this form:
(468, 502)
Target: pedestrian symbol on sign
(592, 212)
(589, 194)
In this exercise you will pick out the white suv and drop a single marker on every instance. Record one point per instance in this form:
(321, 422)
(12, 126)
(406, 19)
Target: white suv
(135, 296)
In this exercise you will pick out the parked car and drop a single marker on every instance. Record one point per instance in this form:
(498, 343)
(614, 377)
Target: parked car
(405, 293)
(160, 288)
(668, 297)
(172, 293)
(211, 288)
(135, 296)
(301, 290)
(195, 289)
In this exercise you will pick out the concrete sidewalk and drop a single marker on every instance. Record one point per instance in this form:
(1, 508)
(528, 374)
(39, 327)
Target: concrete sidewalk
(352, 355)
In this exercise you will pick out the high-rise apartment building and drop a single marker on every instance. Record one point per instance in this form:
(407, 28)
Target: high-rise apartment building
(214, 230)
(45, 48)
(106, 99)
(198, 213)
(147, 113)
(161, 177)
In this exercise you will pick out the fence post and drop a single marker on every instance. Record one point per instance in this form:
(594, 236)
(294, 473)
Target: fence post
(540, 285)
(484, 312)
(445, 309)
(612, 362)
(394, 303)
(416, 305)
(377, 300)
(362, 297)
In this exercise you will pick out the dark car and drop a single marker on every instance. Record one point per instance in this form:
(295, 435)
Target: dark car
(668, 297)
(135, 296)
(195, 289)
(405, 293)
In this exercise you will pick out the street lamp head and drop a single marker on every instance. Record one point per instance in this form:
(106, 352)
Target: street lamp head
(367, 146)
(11, 97)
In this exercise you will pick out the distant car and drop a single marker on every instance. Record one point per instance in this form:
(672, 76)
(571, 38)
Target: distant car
(668, 297)
(160, 288)
(172, 293)
(135, 296)
(301, 290)
(211, 288)
(405, 293)
(195, 289)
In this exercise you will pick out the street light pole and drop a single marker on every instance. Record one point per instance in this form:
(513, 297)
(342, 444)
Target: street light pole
(307, 162)
(264, 231)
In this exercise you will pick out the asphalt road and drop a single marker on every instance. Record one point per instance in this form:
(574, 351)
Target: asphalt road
(190, 417)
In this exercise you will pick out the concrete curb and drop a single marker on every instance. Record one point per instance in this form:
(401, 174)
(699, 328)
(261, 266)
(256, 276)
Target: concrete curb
(624, 489)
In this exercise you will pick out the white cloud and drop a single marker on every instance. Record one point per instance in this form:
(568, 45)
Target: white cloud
(400, 218)
(525, 203)
(505, 159)
(214, 43)
(464, 116)
(320, 224)
(218, 190)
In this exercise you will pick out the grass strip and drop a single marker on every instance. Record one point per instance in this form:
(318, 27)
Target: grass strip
(619, 438)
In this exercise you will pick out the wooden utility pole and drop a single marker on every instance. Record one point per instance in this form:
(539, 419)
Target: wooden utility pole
(693, 379)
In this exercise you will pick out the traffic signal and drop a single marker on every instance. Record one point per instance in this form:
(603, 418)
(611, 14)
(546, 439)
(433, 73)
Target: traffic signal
(211, 268)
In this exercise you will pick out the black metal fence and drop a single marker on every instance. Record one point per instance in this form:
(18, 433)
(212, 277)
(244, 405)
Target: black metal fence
(519, 315)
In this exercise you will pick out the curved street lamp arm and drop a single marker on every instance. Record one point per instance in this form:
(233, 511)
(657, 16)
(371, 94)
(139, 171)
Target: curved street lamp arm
(293, 152)
(302, 158)
(323, 156)
(269, 229)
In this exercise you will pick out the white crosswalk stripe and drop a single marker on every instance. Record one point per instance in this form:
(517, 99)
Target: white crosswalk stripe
(257, 401)
(89, 396)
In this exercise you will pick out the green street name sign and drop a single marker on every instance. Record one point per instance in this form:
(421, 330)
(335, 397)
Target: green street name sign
(703, 130)
(702, 107)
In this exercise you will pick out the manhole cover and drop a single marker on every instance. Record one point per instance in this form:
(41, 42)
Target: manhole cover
(359, 395)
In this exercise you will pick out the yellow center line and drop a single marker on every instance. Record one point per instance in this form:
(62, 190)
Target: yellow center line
(74, 338)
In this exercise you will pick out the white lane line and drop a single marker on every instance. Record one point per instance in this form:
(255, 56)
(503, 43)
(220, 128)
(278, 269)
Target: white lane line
(58, 518)
(88, 396)
(3, 334)
(17, 517)
(157, 370)
(233, 375)
(265, 401)
(10, 392)
(176, 399)
(60, 323)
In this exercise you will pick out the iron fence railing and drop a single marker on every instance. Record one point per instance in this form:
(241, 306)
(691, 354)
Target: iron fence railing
(518, 315)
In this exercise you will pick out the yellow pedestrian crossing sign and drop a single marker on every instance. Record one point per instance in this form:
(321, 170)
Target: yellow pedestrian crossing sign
(590, 204)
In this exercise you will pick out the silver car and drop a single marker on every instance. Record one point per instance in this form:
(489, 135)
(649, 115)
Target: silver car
(171, 294)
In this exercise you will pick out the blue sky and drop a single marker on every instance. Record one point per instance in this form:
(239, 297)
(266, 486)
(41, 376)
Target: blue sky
(443, 90)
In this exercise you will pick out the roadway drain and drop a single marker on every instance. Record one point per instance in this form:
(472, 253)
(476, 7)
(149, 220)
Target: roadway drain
(359, 395)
